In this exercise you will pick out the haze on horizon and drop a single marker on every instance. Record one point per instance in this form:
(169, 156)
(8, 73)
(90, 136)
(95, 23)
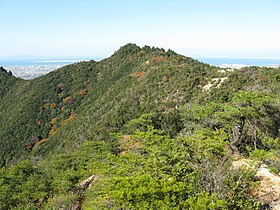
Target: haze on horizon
(72, 28)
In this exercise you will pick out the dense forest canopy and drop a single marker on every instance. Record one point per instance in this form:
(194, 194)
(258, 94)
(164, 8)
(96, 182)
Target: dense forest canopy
(143, 129)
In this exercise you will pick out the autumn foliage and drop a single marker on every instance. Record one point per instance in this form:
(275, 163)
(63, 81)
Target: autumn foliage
(53, 121)
(68, 100)
(138, 74)
(71, 117)
(83, 92)
(53, 131)
(61, 86)
(159, 59)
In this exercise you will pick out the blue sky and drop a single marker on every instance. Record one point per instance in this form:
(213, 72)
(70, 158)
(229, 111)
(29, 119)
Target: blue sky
(96, 28)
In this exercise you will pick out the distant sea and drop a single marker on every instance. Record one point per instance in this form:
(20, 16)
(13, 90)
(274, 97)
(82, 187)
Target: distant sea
(209, 60)
(212, 61)
(39, 62)
(241, 61)
(31, 68)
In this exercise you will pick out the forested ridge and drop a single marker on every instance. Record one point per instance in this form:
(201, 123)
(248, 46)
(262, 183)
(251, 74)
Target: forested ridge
(143, 129)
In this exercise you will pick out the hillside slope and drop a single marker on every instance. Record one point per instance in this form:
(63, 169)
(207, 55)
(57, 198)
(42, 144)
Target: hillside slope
(35, 110)
(148, 128)
(7, 80)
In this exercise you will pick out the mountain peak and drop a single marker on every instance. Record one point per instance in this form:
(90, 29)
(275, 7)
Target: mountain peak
(127, 50)
(131, 49)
